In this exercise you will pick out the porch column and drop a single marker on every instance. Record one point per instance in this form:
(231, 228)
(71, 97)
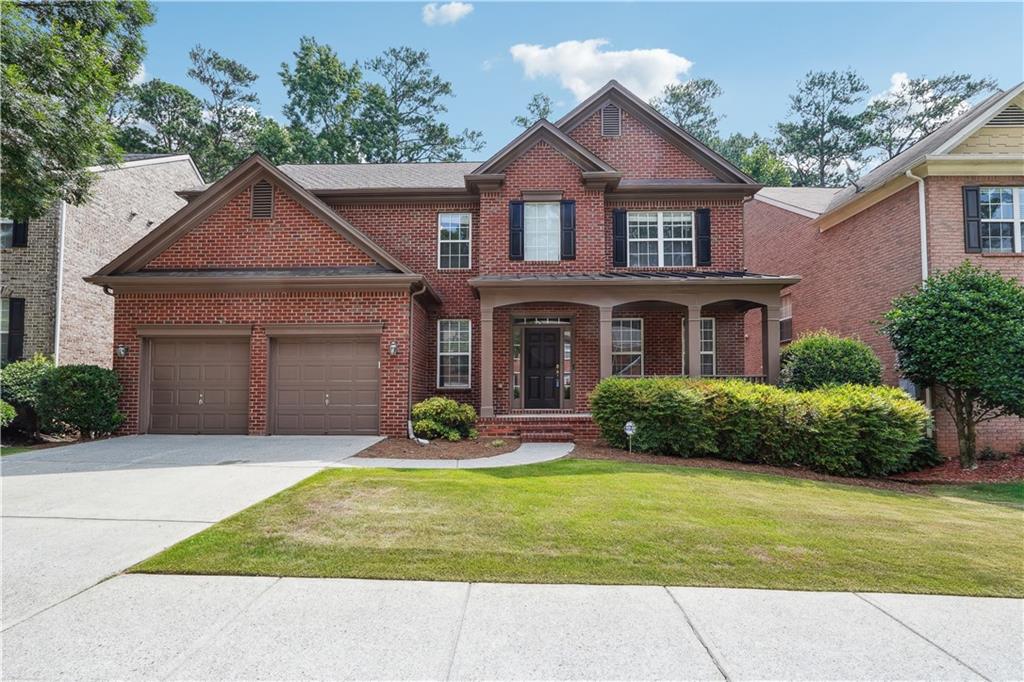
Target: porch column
(486, 360)
(770, 342)
(693, 339)
(605, 338)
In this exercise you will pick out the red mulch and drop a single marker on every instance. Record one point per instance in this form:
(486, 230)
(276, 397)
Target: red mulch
(403, 448)
(988, 471)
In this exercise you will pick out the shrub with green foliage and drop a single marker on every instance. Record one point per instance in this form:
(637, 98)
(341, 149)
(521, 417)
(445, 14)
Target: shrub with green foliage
(926, 456)
(7, 413)
(821, 358)
(82, 397)
(846, 430)
(443, 418)
(20, 386)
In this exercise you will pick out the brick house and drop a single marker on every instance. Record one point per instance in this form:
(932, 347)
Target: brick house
(46, 306)
(329, 298)
(956, 195)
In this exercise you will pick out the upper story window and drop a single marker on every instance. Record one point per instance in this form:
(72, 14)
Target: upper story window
(660, 238)
(1002, 215)
(13, 233)
(541, 231)
(628, 347)
(454, 241)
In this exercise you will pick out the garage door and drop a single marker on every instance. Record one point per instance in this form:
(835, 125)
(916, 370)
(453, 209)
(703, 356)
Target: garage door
(199, 385)
(324, 386)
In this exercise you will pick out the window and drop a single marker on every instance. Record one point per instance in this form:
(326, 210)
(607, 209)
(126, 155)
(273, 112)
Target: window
(660, 239)
(453, 241)
(628, 347)
(542, 225)
(5, 326)
(786, 320)
(6, 236)
(453, 353)
(707, 346)
(1002, 213)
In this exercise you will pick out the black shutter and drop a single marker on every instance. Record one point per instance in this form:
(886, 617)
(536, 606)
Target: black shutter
(15, 329)
(515, 230)
(619, 238)
(972, 220)
(703, 236)
(568, 230)
(19, 235)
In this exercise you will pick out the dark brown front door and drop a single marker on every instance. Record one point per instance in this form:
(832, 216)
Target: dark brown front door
(542, 348)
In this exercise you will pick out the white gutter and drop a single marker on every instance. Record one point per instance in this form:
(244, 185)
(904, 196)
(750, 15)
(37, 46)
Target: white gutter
(60, 283)
(923, 221)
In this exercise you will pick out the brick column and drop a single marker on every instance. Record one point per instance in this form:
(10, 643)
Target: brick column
(486, 360)
(770, 340)
(693, 340)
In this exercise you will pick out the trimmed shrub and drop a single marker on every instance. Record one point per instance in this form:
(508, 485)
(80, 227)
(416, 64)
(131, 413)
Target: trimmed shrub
(20, 386)
(823, 359)
(926, 455)
(844, 430)
(7, 414)
(82, 397)
(443, 418)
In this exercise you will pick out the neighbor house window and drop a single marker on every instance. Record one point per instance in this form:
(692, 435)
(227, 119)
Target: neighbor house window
(707, 346)
(5, 326)
(628, 347)
(1002, 214)
(453, 240)
(453, 353)
(786, 320)
(542, 225)
(660, 238)
(6, 235)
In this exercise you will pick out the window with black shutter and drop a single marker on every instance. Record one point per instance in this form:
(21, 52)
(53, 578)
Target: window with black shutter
(703, 236)
(13, 232)
(619, 238)
(515, 230)
(972, 220)
(568, 230)
(12, 329)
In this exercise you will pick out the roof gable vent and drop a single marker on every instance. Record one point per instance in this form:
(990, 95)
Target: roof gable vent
(262, 200)
(611, 120)
(1012, 115)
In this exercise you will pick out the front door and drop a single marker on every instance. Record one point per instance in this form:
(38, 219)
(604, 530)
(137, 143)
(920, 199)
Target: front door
(542, 348)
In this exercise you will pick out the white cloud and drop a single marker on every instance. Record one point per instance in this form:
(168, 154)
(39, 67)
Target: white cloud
(448, 13)
(140, 75)
(486, 65)
(583, 67)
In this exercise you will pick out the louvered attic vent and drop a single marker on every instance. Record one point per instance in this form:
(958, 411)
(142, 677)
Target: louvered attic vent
(611, 120)
(262, 200)
(1010, 116)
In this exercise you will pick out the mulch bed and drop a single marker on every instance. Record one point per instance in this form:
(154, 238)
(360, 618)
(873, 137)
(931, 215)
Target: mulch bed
(988, 471)
(404, 448)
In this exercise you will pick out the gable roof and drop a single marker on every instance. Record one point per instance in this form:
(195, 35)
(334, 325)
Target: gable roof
(944, 139)
(325, 177)
(615, 92)
(193, 213)
(806, 201)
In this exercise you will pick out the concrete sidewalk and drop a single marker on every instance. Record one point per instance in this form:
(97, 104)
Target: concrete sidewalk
(194, 627)
(527, 453)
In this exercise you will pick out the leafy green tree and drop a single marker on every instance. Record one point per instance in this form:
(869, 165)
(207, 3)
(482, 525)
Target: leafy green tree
(537, 108)
(275, 142)
(917, 107)
(400, 119)
(689, 106)
(229, 111)
(736, 145)
(963, 332)
(62, 65)
(323, 98)
(157, 116)
(826, 136)
(754, 156)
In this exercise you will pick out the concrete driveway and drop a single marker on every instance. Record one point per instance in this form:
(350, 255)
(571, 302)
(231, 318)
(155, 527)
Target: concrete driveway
(73, 516)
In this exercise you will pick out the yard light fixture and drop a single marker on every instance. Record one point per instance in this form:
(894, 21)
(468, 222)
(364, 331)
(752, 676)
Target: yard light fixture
(393, 348)
(122, 350)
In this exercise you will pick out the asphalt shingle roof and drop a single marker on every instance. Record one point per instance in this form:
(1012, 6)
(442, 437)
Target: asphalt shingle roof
(813, 199)
(380, 175)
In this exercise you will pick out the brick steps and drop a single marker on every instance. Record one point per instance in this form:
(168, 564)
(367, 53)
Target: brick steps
(547, 436)
(547, 429)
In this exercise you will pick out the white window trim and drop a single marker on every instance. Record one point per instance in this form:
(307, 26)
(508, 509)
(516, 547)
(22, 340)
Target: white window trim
(1017, 220)
(642, 354)
(700, 351)
(455, 241)
(558, 232)
(469, 365)
(661, 240)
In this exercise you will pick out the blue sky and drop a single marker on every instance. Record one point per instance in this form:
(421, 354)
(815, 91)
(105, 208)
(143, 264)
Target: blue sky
(757, 52)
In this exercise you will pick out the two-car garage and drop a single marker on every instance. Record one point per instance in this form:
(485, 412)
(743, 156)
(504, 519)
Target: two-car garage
(322, 383)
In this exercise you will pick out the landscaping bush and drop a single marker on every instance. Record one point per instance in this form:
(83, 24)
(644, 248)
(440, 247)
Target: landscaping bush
(823, 359)
(7, 414)
(83, 397)
(443, 418)
(20, 386)
(925, 456)
(843, 430)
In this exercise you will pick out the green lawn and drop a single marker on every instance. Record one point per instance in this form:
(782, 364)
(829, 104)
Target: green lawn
(576, 521)
(14, 449)
(1008, 494)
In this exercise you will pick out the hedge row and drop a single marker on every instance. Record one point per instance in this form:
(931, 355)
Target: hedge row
(847, 430)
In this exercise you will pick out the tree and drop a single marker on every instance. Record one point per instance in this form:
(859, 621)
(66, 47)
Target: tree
(63, 63)
(323, 97)
(157, 116)
(275, 142)
(826, 137)
(538, 107)
(754, 156)
(229, 111)
(689, 105)
(963, 332)
(400, 118)
(916, 107)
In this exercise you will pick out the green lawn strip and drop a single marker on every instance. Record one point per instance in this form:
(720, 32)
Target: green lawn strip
(1008, 494)
(14, 449)
(599, 522)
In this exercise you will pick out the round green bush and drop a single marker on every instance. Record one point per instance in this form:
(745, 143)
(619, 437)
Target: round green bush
(82, 397)
(7, 413)
(823, 359)
(443, 418)
(20, 386)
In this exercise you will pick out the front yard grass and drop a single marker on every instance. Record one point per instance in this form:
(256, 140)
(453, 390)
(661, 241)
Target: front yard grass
(576, 521)
(1008, 494)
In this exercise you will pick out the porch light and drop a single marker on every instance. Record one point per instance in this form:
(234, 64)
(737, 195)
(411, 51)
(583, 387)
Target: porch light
(121, 350)
(393, 348)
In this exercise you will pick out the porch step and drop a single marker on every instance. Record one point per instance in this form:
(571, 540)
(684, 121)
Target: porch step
(547, 436)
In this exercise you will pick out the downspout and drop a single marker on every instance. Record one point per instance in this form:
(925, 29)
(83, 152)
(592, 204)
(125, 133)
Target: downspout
(60, 282)
(923, 226)
(412, 336)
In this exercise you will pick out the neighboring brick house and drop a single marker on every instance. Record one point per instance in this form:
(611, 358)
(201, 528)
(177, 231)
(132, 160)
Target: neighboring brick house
(956, 195)
(329, 298)
(46, 306)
